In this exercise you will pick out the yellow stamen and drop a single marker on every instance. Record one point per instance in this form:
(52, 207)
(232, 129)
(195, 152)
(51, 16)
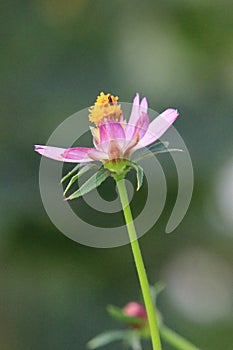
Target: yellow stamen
(105, 107)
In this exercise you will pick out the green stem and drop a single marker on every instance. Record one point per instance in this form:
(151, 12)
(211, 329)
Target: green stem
(176, 340)
(150, 309)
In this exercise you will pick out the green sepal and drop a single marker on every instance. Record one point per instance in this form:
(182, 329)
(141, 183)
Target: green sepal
(81, 172)
(119, 315)
(77, 167)
(107, 338)
(93, 182)
(139, 174)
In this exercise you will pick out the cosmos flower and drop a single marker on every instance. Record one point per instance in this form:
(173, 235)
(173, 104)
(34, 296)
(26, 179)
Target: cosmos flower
(114, 141)
(113, 137)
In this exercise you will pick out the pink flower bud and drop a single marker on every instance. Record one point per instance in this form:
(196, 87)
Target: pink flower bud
(135, 309)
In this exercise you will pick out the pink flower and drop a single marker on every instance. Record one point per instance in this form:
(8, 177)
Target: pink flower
(113, 137)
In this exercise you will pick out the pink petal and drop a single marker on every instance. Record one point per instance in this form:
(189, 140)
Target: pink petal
(110, 131)
(138, 118)
(144, 105)
(135, 110)
(95, 134)
(71, 155)
(158, 127)
(136, 100)
(82, 154)
(139, 128)
(131, 145)
(50, 152)
(114, 150)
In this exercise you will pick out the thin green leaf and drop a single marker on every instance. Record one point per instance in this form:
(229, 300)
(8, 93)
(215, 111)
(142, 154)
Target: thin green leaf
(139, 174)
(156, 289)
(155, 147)
(149, 154)
(81, 172)
(159, 287)
(73, 179)
(135, 343)
(118, 314)
(158, 146)
(78, 166)
(106, 338)
(93, 182)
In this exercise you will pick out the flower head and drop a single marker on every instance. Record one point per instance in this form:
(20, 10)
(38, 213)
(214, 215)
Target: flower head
(115, 139)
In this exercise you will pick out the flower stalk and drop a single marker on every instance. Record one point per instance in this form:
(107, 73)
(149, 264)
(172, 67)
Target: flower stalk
(150, 307)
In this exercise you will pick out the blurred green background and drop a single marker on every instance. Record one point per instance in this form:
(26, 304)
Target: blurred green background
(56, 57)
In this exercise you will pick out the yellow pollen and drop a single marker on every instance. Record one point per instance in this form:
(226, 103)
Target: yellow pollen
(105, 107)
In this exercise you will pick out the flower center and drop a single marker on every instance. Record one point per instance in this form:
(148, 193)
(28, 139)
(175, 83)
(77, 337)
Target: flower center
(105, 107)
